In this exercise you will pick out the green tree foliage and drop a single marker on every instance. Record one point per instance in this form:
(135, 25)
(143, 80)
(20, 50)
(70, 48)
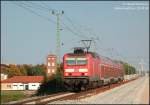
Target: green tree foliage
(59, 73)
(37, 70)
(27, 68)
(22, 69)
(52, 84)
(129, 69)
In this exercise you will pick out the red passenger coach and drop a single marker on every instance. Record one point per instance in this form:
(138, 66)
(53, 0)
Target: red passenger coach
(84, 70)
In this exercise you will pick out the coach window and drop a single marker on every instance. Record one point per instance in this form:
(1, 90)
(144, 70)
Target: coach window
(102, 67)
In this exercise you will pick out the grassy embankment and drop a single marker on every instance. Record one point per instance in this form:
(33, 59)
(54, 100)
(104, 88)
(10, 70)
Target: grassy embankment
(7, 96)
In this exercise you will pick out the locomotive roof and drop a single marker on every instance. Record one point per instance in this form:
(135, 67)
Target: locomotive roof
(82, 54)
(105, 59)
(96, 55)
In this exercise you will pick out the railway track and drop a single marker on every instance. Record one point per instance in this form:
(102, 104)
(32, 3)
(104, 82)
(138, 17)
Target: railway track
(41, 99)
(69, 95)
(92, 92)
(89, 93)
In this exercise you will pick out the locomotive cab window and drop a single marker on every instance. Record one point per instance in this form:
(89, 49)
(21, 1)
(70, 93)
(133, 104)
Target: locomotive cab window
(70, 61)
(81, 61)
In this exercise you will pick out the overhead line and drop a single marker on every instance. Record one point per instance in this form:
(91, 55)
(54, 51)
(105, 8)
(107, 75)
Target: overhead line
(73, 31)
(35, 5)
(23, 5)
(69, 20)
(47, 6)
(68, 28)
(30, 10)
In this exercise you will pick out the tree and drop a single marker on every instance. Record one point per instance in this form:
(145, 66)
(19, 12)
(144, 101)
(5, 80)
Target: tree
(53, 84)
(128, 68)
(22, 69)
(13, 71)
(37, 70)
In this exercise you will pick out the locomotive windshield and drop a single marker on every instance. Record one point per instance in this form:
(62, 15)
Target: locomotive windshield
(81, 61)
(70, 61)
(76, 61)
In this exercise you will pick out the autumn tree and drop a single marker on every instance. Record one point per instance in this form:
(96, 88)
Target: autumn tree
(13, 70)
(22, 69)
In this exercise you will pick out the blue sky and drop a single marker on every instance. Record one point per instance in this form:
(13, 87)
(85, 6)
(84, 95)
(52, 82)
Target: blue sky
(27, 38)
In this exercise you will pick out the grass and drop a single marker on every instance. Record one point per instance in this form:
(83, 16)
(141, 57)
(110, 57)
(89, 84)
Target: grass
(7, 96)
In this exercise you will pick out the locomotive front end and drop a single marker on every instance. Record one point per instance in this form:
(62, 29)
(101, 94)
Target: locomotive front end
(75, 66)
(75, 71)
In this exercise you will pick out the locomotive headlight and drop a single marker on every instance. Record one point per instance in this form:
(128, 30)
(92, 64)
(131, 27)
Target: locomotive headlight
(66, 74)
(83, 70)
(85, 73)
(69, 70)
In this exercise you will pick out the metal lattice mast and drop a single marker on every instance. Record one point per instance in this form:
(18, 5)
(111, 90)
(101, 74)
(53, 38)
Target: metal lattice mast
(58, 14)
(142, 66)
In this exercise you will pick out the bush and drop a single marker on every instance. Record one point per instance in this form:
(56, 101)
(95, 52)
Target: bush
(53, 84)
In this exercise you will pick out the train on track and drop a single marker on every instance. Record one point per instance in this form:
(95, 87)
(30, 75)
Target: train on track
(84, 70)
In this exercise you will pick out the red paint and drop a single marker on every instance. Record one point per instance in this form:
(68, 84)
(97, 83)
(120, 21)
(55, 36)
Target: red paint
(94, 66)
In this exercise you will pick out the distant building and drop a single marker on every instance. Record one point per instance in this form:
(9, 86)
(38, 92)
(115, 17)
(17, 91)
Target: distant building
(22, 83)
(51, 64)
(3, 76)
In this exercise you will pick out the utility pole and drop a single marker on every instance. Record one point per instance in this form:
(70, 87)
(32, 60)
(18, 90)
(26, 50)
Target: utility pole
(128, 71)
(58, 14)
(142, 68)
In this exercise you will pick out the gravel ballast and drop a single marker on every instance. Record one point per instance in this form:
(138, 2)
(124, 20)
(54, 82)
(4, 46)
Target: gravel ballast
(134, 92)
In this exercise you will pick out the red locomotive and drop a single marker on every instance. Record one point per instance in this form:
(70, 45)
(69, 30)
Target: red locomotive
(83, 70)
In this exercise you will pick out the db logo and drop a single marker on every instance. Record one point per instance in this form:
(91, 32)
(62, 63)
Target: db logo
(76, 70)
